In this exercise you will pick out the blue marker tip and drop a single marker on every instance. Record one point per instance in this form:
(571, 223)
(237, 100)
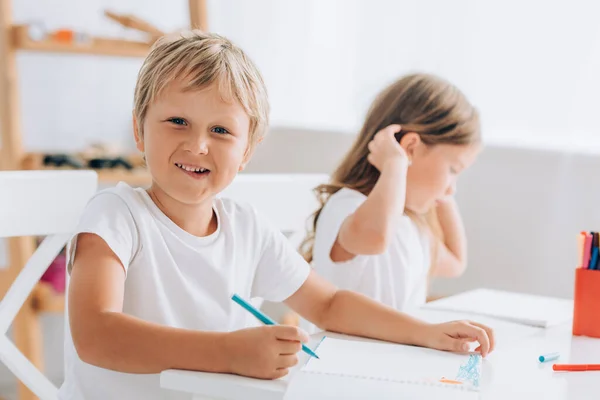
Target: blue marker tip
(549, 357)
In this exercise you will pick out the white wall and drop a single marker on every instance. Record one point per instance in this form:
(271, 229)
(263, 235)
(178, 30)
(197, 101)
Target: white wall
(522, 210)
(529, 66)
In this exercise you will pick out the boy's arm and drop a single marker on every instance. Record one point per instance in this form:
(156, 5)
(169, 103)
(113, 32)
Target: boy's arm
(351, 313)
(451, 254)
(368, 229)
(105, 337)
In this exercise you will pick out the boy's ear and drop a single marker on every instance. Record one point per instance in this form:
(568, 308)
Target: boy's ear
(410, 141)
(137, 134)
(248, 154)
(247, 157)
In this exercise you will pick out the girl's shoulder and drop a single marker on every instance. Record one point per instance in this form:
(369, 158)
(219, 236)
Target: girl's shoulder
(347, 194)
(341, 204)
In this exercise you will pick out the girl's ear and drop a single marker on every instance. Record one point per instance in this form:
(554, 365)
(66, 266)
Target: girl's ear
(410, 141)
(137, 134)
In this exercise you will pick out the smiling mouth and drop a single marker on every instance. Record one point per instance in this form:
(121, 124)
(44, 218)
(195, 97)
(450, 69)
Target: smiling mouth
(192, 169)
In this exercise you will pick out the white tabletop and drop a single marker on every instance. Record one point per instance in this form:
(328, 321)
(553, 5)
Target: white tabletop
(513, 369)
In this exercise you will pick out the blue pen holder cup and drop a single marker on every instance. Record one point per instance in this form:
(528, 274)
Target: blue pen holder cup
(586, 315)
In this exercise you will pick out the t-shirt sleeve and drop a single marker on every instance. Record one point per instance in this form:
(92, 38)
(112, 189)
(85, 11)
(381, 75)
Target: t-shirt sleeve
(334, 213)
(281, 270)
(109, 217)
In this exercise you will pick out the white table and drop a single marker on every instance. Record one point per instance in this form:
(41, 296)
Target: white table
(511, 372)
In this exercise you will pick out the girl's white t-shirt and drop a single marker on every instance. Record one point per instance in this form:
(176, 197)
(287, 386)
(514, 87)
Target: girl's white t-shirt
(397, 277)
(176, 279)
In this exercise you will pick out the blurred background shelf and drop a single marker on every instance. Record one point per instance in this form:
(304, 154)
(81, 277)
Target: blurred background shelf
(138, 176)
(95, 46)
(46, 299)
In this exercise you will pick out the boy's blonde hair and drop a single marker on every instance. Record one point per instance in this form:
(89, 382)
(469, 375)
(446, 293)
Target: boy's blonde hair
(202, 59)
(420, 103)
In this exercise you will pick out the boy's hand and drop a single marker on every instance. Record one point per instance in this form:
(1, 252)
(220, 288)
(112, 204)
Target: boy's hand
(266, 352)
(384, 149)
(456, 336)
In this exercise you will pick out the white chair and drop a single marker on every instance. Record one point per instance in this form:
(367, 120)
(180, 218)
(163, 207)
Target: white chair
(37, 203)
(287, 200)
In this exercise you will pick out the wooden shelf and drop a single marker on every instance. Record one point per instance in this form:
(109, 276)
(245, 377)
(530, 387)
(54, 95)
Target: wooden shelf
(96, 46)
(134, 178)
(138, 176)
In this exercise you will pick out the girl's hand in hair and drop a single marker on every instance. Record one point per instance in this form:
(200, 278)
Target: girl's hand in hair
(385, 151)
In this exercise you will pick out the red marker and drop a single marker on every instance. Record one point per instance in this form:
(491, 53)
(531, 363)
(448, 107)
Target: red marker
(576, 367)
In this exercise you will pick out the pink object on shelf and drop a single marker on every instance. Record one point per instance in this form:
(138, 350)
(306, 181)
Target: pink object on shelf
(56, 273)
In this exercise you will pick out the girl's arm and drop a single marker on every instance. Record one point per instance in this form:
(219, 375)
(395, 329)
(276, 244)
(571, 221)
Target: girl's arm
(351, 313)
(368, 229)
(451, 252)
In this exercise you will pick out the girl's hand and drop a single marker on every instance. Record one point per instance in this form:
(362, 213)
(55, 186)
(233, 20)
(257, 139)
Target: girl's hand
(456, 336)
(385, 150)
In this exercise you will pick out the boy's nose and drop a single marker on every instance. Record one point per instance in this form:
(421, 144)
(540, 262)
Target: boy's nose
(198, 144)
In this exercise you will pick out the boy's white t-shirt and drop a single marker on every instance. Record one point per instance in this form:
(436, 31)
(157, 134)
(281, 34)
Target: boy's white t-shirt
(397, 277)
(174, 278)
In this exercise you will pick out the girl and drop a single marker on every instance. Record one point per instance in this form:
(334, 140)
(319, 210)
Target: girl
(389, 212)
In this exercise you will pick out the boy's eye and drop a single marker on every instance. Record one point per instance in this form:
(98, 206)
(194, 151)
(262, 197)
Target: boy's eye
(220, 130)
(178, 121)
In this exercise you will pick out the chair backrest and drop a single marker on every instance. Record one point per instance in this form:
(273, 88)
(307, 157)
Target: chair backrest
(287, 200)
(37, 203)
(43, 202)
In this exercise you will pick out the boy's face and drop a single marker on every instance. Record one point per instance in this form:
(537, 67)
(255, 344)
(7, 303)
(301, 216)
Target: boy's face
(194, 142)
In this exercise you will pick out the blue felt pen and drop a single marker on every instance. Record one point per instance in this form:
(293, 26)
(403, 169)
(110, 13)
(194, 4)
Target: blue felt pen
(264, 319)
(595, 250)
(549, 357)
(593, 258)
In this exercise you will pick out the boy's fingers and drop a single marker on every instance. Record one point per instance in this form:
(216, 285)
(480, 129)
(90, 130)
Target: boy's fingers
(287, 361)
(289, 347)
(284, 332)
(280, 373)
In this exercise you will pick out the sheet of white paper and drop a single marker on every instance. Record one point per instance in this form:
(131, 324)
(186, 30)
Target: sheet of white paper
(516, 307)
(396, 363)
